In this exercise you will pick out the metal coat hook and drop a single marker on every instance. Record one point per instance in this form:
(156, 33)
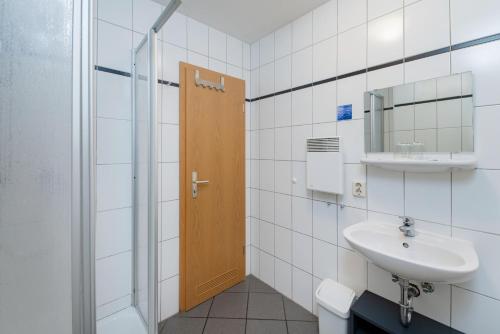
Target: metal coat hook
(208, 84)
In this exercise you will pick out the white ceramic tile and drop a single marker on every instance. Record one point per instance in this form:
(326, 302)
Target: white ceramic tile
(449, 113)
(352, 133)
(169, 300)
(283, 177)
(381, 7)
(116, 11)
(197, 59)
(325, 221)
(217, 65)
(266, 110)
(266, 237)
(425, 116)
(283, 246)
(316, 283)
(283, 74)
(217, 42)
(325, 102)
(299, 186)
(325, 130)
(113, 141)
(353, 173)
(302, 288)
(267, 79)
(324, 260)
(486, 136)
(283, 277)
(385, 191)
(235, 51)
(385, 38)
(175, 30)
(267, 49)
(473, 313)
(447, 140)
(302, 253)
(350, 91)
(302, 104)
(254, 115)
(475, 198)
(113, 279)
(487, 279)
(352, 270)
(299, 136)
(267, 268)
(485, 66)
(302, 69)
(248, 84)
(283, 109)
(234, 71)
(197, 37)
(169, 258)
(113, 232)
(351, 13)
(108, 309)
(283, 41)
(283, 215)
(302, 215)
(255, 83)
(325, 59)
(302, 32)
(428, 197)
(427, 26)
(283, 142)
(113, 186)
(113, 47)
(254, 55)
(449, 86)
(470, 20)
(427, 68)
(386, 77)
(255, 232)
(266, 144)
(267, 175)
(170, 219)
(172, 55)
(170, 143)
(113, 96)
(348, 216)
(145, 14)
(266, 205)
(325, 21)
(403, 118)
(170, 105)
(254, 261)
(352, 50)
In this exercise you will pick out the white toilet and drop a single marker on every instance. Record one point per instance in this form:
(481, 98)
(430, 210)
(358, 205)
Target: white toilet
(334, 303)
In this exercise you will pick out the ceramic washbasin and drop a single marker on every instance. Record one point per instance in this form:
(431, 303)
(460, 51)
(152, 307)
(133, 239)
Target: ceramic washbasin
(426, 257)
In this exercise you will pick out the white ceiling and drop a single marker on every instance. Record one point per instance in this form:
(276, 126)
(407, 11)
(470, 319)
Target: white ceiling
(247, 20)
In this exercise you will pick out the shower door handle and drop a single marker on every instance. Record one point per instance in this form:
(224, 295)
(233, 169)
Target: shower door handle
(195, 182)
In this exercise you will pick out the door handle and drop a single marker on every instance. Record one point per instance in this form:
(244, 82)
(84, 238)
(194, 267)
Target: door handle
(195, 182)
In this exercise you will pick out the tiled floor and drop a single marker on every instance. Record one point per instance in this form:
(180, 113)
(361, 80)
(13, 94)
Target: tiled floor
(250, 307)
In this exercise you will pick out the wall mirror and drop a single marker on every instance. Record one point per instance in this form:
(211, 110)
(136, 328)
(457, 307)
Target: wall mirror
(434, 115)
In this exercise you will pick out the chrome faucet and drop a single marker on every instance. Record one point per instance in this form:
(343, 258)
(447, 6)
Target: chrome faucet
(408, 227)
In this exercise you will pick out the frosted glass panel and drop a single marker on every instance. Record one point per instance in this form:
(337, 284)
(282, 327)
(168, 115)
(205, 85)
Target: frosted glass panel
(35, 166)
(142, 179)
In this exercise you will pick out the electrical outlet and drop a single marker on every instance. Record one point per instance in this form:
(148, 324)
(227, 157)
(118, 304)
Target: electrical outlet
(359, 189)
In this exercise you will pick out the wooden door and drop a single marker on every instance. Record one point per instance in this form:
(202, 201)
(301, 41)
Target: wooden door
(212, 144)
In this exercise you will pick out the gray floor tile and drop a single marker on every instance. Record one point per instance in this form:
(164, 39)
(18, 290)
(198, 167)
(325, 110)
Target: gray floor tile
(266, 306)
(266, 327)
(229, 305)
(177, 325)
(294, 311)
(200, 311)
(302, 327)
(240, 287)
(257, 285)
(225, 326)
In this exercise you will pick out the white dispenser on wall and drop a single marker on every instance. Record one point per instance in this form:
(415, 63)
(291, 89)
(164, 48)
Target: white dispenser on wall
(325, 165)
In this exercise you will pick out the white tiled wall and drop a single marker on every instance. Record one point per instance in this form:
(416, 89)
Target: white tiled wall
(120, 25)
(302, 230)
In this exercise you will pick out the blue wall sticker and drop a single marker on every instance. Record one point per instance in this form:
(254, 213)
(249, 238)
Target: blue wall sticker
(344, 112)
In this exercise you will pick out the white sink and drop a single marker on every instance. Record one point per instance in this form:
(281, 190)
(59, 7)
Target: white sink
(427, 257)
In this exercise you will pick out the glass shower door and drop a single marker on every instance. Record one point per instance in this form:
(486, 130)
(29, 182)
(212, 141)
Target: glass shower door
(145, 181)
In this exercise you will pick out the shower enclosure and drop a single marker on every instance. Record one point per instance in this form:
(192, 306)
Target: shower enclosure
(142, 316)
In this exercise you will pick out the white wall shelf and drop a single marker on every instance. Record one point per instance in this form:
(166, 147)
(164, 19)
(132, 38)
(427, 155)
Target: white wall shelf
(424, 165)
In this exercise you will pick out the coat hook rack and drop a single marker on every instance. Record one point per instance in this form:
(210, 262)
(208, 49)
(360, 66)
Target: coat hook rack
(208, 84)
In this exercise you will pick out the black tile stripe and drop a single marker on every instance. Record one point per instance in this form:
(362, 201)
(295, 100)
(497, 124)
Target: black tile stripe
(478, 41)
(434, 100)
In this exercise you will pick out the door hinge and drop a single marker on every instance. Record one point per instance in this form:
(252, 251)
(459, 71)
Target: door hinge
(244, 250)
